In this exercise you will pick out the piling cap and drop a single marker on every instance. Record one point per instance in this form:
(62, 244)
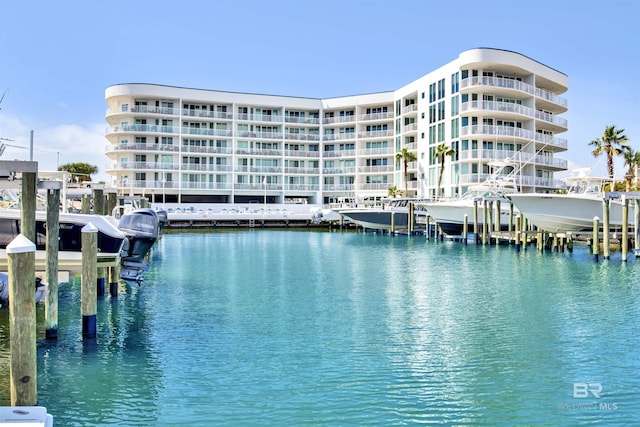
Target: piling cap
(89, 228)
(20, 245)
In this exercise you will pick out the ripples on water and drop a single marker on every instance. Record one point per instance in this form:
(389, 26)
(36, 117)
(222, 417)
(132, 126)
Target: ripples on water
(291, 328)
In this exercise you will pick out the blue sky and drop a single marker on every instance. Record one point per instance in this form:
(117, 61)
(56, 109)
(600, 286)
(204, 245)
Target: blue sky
(57, 58)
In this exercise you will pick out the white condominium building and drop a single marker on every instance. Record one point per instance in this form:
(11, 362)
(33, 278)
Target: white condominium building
(183, 145)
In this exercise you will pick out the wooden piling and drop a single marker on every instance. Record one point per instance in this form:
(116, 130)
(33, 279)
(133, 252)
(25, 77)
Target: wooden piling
(523, 231)
(595, 242)
(86, 204)
(22, 321)
(393, 223)
(484, 222)
(53, 233)
(475, 217)
(410, 219)
(114, 278)
(517, 234)
(28, 206)
(465, 228)
(605, 229)
(89, 303)
(625, 228)
(489, 221)
(98, 201)
(540, 241)
(510, 217)
(112, 202)
(498, 226)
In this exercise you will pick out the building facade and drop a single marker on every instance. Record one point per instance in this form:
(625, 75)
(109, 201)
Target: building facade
(183, 145)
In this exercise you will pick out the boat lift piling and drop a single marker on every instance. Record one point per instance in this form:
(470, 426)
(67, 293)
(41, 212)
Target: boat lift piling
(22, 322)
(484, 222)
(53, 234)
(517, 234)
(605, 229)
(465, 228)
(595, 243)
(89, 272)
(625, 228)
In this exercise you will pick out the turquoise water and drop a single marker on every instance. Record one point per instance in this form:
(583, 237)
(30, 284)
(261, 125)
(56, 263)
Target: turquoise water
(266, 327)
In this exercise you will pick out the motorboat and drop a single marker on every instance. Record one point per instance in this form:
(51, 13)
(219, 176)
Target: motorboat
(141, 228)
(391, 213)
(110, 239)
(449, 214)
(41, 290)
(573, 211)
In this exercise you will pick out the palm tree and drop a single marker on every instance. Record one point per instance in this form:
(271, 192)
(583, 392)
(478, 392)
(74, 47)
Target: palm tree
(632, 160)
(442, 150)
(406, 156)
(613, 142)
(394, 191)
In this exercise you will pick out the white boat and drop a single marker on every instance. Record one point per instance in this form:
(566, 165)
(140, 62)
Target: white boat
(381, 216)
(450, 214)
(573, 211)
(110, 239)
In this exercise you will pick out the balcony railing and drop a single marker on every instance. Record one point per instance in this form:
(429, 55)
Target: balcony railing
(301, 153)
(338, 171)
(305, 171)
(375, 134)
(152, 109)
(208, 132)
(143, 128)
(302, 120)
(376, 116)
(387, 151)
(513, 132)
(146, 166)
(186, 112)
(409, 108)
(302, 187)
(513, 84)
(376, 169)
(340, 119)
(338, 187)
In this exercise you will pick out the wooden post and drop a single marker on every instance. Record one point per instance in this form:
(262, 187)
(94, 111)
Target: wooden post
(523, 231)
(554, 246)
(625, 228)
(498, 226)
(114, 278)
(410, 219)
(53, 233)
(595, 245)
(475, 216)
(517, 234)
(89, 304)
(510, 217)
(636, 227)
(484, 223)
(22, 321)
(112, 202)
(605, 229)
(465, 228)
(540, 241)
(393, 223)
(86, 204)
(28, 210)
(98, 201)
(489, 221)
(428, 227)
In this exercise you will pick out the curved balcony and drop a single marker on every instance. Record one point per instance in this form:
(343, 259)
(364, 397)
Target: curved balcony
(512, 110)
(166, 148)
(514, 133)
(502, 83)
(140, 128)
(144, 166)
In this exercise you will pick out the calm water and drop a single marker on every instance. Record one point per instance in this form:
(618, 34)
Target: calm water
(268, 327)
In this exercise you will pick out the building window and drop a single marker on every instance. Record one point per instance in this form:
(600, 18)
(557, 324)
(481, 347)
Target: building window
(441, 89)
(455, 83)
(455, 105)
(432, 92)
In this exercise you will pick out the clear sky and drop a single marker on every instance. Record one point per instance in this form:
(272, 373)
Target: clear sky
(57, 58)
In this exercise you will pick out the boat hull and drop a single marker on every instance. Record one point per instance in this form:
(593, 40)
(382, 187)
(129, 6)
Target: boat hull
(450, 216)
(558, 213)
(381, 219)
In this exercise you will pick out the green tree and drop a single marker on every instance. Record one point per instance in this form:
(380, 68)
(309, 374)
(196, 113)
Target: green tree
(442, 150)
(632, 161)
(81, 170)
(394, 191)
(613, 143)
(406, 156)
